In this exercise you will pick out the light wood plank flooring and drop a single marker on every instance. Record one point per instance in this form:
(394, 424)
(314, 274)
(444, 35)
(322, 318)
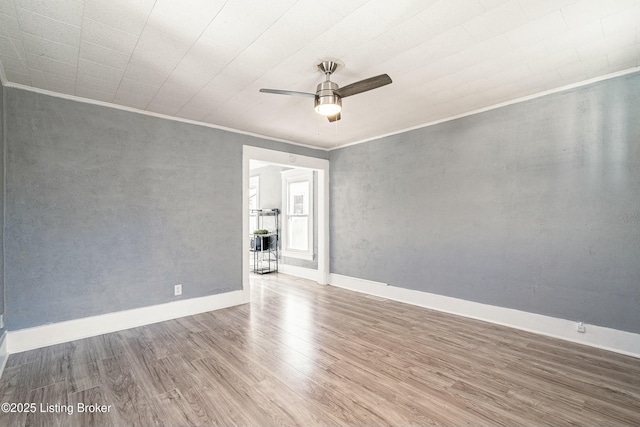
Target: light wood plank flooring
(304, 355)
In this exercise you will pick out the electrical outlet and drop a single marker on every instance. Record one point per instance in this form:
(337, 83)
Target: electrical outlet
(177, 290)
(581, 328)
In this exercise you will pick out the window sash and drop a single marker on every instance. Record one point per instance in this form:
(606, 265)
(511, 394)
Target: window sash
(298, 214)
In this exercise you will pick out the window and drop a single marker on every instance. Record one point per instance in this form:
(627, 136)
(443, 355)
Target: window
(297, 194)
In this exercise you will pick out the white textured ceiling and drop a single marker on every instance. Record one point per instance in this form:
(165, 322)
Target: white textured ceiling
(205, 60)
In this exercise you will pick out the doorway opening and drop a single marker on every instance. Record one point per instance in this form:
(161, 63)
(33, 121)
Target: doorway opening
(297, 186)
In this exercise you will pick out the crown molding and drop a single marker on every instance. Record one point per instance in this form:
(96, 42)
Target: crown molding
(153, 114)
(76, 98)
(500, 105)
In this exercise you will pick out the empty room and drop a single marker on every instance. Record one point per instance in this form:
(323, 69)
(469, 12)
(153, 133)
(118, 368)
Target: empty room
(320, 213)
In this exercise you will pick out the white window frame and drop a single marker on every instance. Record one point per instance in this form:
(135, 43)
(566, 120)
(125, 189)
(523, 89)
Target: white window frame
(289, 177)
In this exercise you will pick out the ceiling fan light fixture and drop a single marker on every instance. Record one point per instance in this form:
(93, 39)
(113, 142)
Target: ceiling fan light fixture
(327, 102)
(328, 105)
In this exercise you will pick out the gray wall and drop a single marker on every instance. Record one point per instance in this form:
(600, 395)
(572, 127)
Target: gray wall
(107, 210)
(2, 202)
(533, 206)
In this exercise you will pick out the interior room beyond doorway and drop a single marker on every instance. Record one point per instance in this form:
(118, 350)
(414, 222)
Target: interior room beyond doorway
(292, 192)
(295, 188)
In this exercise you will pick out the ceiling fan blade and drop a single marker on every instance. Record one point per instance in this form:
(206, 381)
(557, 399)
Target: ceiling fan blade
(364, 85)
(334, 118)
(288, 92)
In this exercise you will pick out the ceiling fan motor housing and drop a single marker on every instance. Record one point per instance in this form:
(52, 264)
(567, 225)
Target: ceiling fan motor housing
(326, 101)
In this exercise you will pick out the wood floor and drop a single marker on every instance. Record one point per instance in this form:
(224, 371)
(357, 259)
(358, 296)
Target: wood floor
(303, 355)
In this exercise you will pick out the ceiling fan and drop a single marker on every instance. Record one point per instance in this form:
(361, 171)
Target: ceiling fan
(328, 96)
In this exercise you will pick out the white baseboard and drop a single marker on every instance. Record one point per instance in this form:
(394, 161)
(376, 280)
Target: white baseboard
(305, 273)
(4, 354)
(57, 333)
(356, 284)
(623, 342)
